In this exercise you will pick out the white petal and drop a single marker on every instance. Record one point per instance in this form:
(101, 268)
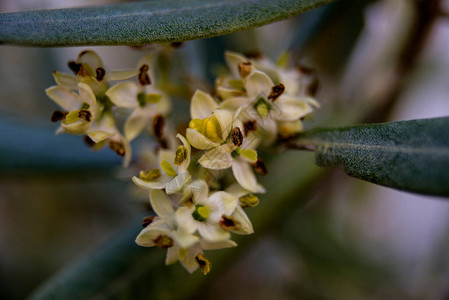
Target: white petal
(312, 102)
(78, 127)
(176, 184)
(202, 105)
(258, 83)
(233, 60)
(217, 245)
(185, 164)
(167, 155)
(244, 175)
(120, 75)
(184, 238)
(213, 232)
(87, 95)
(185, 220)
(235, 103)
(199, 191)
(64, 97)
(65, 80)
(291, 79)
(98, 135)
(147, 236)
(91, 58)
(227, 200)
(159, 183)
(237, 190)
(135, 123)
(291, 108)
(227, 93)
(128, 153)
(245, 224)
(160, 203)
(124, 94)
(172, 255)
(217, 159)
(199, 141)
(224, 117)
(189, 261)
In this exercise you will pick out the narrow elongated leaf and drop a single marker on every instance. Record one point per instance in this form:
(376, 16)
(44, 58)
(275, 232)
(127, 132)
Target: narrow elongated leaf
(407, 155)
(141, 23)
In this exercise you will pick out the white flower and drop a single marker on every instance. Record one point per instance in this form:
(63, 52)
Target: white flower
(205, 213)
(209, 126)
(145, 102)
(171, 173)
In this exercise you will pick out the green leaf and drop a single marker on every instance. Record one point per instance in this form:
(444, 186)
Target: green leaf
(408, 155)
(140, 23)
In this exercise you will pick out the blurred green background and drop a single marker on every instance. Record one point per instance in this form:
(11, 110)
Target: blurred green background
(331, 236)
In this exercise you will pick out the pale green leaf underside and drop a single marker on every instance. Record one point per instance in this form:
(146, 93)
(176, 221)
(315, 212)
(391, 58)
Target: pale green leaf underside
(407, 155)
(141, 23)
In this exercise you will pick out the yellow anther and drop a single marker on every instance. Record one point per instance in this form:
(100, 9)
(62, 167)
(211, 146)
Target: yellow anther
(72, 117)
(168, 169)
(203, 263)
(163, 241)
(150, 175)
(181, 155)
(196, 124)
(249, 200)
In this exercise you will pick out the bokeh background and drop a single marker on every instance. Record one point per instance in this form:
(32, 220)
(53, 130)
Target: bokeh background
(335, 238)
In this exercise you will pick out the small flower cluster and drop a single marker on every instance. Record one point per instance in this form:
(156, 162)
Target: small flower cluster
(199, 183)
(89, 102)
(197, 201)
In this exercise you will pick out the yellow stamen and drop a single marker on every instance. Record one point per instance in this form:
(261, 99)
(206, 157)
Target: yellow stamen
(72, 117)
(167, 167)
(150, 175)
(181, 155)
(249, 200)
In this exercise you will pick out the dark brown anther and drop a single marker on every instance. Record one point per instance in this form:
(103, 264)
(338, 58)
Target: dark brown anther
(313, 87)
(248, 126)
(143, 77)
(306, 70)
(100, 72)
(88, 141)
(163, 143)
(117, 147)
(236, 137)
(245, 69)
(276, 91)
(158, 125)
(74, 66)
(254, 54)
(229, 223)
(58, 115)
(83, 72)
(147, 221)
(85, 114)
(260, 167)
(176, 45)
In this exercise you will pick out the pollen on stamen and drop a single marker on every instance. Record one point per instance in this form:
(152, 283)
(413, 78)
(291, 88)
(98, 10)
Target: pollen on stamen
(58, 115)
(203, 263)
(85, 115)
(236, 136)
(143, 77)
(117, 147)
(229, 223)
(163, 241)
